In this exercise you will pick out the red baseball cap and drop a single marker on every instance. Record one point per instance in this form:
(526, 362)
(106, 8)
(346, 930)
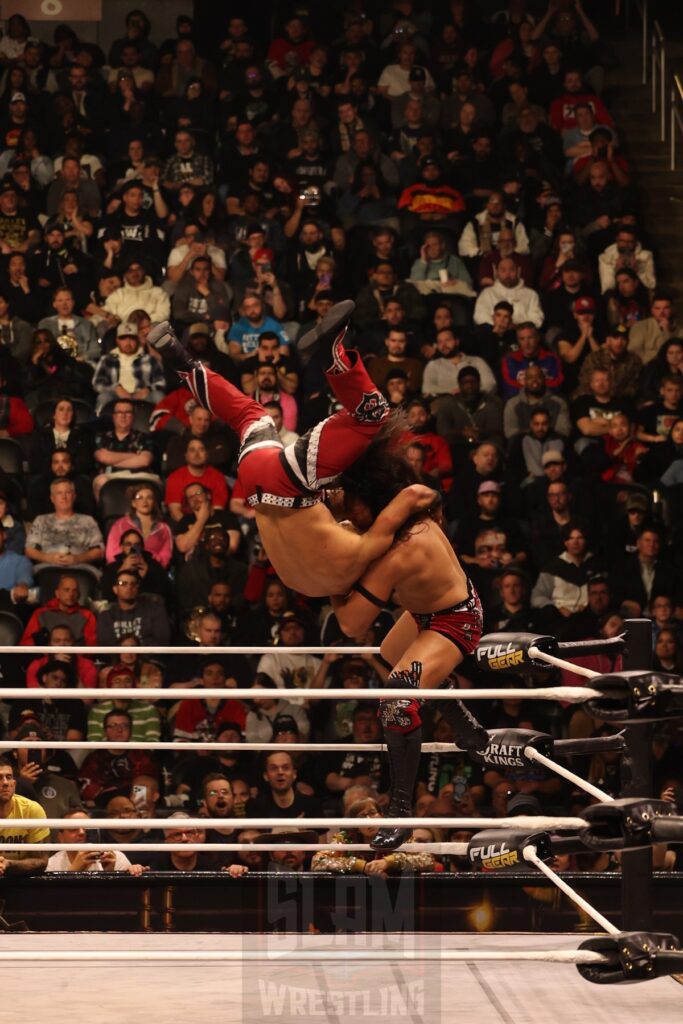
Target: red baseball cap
(584, 305)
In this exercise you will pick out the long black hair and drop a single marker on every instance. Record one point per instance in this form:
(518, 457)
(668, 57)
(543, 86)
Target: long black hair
(379, 474)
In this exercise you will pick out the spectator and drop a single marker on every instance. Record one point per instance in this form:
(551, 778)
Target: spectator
(645, 574)
(469, 415)
(13, 806)
(133, 556)
(509, 288)
(199, 295)
(64, 537)
(202, 718)
(530, 352)
(647, 337)
(534, 396)
(145, 721)
(16, 576)
(442, 374)
(383, 285)
(613, 356)
(105, 772)
(252, 323)
(87, 860)
(562, 587)
(65, 323)
(626, 251)
(187, 164)
(280, 799)
(63, 609)
(145, 516)
(60, 468)
(137, 292)
(197, 470)
(396, 344)
(133, 614)
(122, 451)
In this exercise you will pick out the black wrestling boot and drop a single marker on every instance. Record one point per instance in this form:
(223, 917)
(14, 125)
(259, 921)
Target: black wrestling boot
(404, 751)
(330, 327)
(164, 340)
(468, 732)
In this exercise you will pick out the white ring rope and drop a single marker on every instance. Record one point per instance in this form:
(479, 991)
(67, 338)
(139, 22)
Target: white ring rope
(567, 694)
(87, 957)
(532, 857)
(363, 748)
(569, 666)
(553, 766)
(427, 748)
(187, 649)
(440, 849)
(523, 822)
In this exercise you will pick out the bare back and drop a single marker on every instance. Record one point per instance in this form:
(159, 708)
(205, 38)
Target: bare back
(422, 571)
(309, 551)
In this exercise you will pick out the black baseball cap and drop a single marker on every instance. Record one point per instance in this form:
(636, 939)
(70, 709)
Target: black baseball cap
(285, 723)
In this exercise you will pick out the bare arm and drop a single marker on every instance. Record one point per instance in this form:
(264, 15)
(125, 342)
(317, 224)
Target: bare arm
(380, 536)
(28, 866)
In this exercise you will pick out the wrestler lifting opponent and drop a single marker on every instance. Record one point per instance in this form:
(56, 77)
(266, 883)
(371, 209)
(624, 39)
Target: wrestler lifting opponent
(441, 623)
(308, 550)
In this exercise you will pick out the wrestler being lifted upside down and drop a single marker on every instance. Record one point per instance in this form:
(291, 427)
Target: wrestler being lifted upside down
(440, 625)
(306, 547)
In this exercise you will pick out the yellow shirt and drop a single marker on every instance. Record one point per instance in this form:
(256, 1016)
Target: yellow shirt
(22, 807)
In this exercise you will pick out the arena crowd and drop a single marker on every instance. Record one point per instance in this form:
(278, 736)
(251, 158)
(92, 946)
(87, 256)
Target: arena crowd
(455, 169)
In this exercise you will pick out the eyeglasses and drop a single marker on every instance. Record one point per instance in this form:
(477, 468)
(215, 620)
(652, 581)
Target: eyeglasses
(126, 583)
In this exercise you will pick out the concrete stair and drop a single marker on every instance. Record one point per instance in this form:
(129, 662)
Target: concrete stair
(660, 191)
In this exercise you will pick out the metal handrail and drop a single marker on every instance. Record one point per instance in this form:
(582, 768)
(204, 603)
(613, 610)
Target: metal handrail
(676, 115)
(658, 84)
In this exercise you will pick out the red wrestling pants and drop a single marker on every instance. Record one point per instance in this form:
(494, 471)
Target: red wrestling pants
(292, 477)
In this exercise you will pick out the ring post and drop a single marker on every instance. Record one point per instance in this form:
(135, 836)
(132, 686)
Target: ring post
(636, 866)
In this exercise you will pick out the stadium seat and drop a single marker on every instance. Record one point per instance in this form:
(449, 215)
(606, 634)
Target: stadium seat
(114, 501)
(83, 412)
(47, 576)
(141, 414)
(11, 629)
(11, 456)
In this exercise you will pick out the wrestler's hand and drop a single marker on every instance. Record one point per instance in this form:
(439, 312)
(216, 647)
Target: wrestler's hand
(420, 497)
(377, 867)
(235, 870)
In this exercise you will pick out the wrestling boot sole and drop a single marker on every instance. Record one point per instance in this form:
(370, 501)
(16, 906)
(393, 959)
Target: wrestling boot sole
(163, 339)
(389, 839)
(329, 328)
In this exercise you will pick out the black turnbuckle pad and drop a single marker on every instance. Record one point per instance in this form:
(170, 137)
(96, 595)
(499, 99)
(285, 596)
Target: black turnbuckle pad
(509, 652)
(632, 956)
(623, 824)
(636, 696)
(502, 849)
(505, 748)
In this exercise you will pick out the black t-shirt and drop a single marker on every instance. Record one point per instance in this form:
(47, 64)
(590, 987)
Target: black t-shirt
(352, 765)
(588, 405)
(183, 667)
(301, 807)
(58, 716)
(657, 419)
(219, 517)
(192, 769)
(15, 228)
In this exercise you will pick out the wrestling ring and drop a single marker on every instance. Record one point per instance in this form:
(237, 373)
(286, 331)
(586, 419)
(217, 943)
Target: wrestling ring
(423, 976)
